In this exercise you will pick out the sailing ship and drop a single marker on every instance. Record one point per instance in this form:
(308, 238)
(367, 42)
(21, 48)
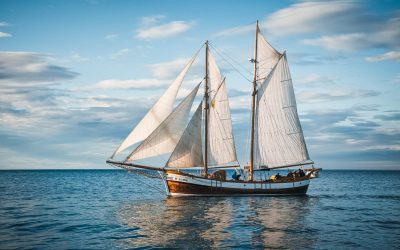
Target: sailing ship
(205, 140)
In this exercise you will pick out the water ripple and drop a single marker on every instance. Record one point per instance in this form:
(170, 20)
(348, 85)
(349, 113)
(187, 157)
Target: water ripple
(108, 209)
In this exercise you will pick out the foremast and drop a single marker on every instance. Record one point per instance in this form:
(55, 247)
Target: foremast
(253, 106)
(206, 107)
(184, 140)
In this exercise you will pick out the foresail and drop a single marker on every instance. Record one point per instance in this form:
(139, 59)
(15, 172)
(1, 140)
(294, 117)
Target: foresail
(267, 56)
(157, 114)
(165, 137)
(279, 136)
(189, 152)
(221, 146)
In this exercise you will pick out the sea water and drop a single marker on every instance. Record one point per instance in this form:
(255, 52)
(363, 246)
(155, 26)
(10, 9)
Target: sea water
(111, 209)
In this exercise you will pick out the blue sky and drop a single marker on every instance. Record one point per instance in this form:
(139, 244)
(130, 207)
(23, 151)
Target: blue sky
(76, 76)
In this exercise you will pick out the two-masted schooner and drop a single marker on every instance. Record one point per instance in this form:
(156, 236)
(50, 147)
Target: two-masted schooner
(205, 140)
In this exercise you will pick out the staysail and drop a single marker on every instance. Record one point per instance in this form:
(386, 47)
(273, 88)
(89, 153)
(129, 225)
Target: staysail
(279, 139)
(189, 153)
(165, 137)
(157, 114)
(221, 144)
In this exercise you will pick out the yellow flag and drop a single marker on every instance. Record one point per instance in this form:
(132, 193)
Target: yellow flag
(213, 103)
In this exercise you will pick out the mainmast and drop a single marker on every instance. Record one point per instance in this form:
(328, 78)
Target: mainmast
(253, 104)
(206, 106)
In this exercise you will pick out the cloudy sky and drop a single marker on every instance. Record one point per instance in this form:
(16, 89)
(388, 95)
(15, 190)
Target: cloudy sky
(76, 76)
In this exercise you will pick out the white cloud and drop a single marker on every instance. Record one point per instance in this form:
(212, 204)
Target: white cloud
(163, 30)
(316, 79)
(356, 41)
(79, 58)
(340, 25)
(333, 95)
(235, 31)
(111, 37)
(119, 53)
(309, 16)
(4, 24)
(163, 73)
(240, 102)
(25, 67)
(346, 42)
(396, 79)
(167, 70)
(4, 34)
(129, 84)
(302, 18)
(151, 20)
(391, 55)
(382, 35)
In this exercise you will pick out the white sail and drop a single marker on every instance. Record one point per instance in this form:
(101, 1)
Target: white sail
(267, 57)
(279, 139)
(221, 144)
(161, 109)
(165, 137)
(189, 152)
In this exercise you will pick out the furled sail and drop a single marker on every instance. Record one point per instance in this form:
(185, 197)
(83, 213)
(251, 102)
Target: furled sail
(267, 56)
(157, 114)
(221, 144)
(279, 139)
(165, 137)
(189, 152)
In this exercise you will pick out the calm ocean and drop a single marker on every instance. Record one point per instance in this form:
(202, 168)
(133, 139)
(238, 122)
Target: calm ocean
(110, 209)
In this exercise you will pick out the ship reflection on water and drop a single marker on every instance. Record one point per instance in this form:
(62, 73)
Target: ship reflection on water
(220, 222)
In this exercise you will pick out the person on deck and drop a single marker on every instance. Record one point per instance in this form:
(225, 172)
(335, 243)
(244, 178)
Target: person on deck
(301, 172)
(236, 176)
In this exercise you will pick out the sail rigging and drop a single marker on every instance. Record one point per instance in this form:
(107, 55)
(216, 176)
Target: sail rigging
(171, 136)
(165, 137)
(189, 152)
(206, 139)
(157, 114)
(277, 138)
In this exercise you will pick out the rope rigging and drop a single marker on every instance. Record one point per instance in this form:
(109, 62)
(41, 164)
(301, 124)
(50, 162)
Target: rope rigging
(224, 56)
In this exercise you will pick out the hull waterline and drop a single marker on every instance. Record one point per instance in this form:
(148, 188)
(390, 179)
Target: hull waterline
(187, 185)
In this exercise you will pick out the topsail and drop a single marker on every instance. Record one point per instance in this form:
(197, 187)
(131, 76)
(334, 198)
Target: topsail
(267, 57)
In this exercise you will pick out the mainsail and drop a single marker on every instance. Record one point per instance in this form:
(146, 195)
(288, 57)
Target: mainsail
(221, 144)
(157, 114)
(189, 153)
(279, 136)
(166, 136)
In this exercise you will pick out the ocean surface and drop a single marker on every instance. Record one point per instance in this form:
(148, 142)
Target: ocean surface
(110, 209)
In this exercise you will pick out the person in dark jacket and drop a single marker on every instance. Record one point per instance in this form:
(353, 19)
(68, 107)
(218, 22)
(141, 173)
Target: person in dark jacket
(236, 176)
(301, 172)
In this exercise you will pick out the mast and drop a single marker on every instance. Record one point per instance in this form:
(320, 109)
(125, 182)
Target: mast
(206, 116)
(253, 104)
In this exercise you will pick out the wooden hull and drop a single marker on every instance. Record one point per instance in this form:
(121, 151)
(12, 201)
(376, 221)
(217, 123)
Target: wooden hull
(187, 185)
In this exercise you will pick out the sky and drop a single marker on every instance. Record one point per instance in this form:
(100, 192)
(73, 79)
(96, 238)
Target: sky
(77, 76)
